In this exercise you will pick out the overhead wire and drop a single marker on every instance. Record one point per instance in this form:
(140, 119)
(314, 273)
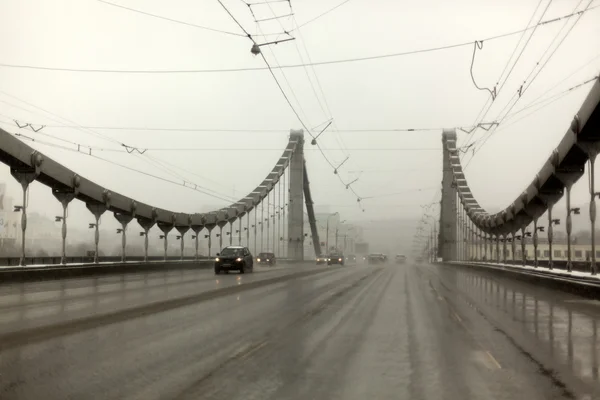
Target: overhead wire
(318, 63)
(528, 82)
(169, 19)
(195, 188)
(493, 94)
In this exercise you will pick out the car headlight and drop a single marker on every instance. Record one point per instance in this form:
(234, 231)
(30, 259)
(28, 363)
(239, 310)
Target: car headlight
(258, 259)
(268, 259)
(238, 259)
(329, 259)
(339, 259)
(217, 259)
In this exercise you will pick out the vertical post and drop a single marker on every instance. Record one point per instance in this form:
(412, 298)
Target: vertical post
(593, 213)
(210, 241)
(569, 228)
(97, 209)
(240, 230)
(220, 237)
(255, 228)
(124, 220)
(504, 251)
(248, 229)
(146, 244)
(231, 232)
(448, 203)
(514, 247)
(485, 247)
(285, 190)
(182, 229)
(523, 237)
(279, 210)
(64, 197)
(465, 235)
(268, 219)
(182, 244)
(25, 186)
(196, 245)
(63, 233)
(262, 225)
(550, 236)
(146, 224)
(498, 248)
(166, 244)
(535, 243)
(296, 199)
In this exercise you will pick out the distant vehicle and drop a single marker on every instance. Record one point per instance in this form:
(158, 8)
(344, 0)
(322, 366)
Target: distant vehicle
(322, 259)
(385, 257)
(234, 258)
(266, 258)
(335, 258)
(419, 260)
(350, 259)
(400, 259)
(376, 258)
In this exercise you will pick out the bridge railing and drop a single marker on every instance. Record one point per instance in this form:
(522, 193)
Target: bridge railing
(467, 231)
(28, 165)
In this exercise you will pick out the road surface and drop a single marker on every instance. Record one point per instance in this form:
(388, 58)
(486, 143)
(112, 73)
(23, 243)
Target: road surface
(301, 332)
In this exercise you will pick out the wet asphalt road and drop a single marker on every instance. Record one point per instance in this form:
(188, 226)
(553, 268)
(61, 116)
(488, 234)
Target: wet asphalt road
(303, 332)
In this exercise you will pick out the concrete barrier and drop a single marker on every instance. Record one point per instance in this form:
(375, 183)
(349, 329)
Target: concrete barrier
(54, 272)
(588, 287)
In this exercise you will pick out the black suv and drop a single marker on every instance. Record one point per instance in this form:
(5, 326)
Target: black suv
(266, 258)
(234, 257)
(335, 259)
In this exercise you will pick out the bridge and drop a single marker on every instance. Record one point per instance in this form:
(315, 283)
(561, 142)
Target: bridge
(493, 303)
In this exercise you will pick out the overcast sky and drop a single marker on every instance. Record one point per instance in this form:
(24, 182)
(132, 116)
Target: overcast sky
(400, 170)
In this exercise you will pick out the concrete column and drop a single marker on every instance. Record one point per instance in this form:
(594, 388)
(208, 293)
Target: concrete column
(97, 209)
(124, 220)
(513, 245)
(569, 225)
(210, 228)
(64, 197)
(550, 235)
(523, 238)
(498, 248)
(296, 200)
(285, 190)
(146, 224)
(165, 228)
(182, 231)
(197, 229)
(593, 214)
(504, 248)
(24, 177)
(535, 243)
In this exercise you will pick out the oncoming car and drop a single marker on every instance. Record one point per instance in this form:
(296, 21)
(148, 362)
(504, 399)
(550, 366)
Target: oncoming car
(234, 258)
(335, 259)
(400, 259)
(322, 259)
(266, 258)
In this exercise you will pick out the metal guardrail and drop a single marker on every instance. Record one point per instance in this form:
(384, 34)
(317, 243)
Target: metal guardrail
(17, 273)
(56, 260)
(561, 265)
(585, 286)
